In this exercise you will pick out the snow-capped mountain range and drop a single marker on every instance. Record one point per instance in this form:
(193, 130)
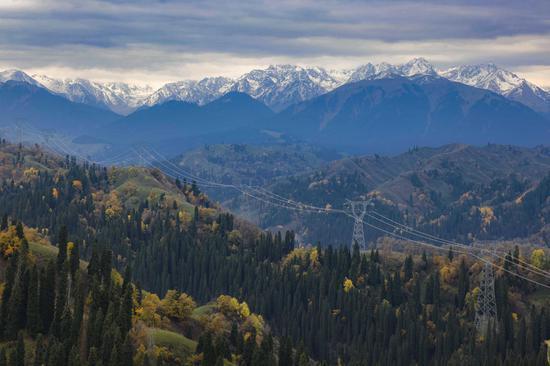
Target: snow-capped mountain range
(279, 86)
(121, 98)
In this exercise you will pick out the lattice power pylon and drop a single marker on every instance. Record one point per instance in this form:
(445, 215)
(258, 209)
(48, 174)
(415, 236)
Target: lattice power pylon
(358, 210)
(486, 306)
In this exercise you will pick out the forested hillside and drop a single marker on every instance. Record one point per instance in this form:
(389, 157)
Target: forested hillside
(200, 287)
(250, 164)
(457, 192)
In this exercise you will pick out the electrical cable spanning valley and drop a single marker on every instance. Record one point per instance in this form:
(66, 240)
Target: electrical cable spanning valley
(149, 157)
(396, 226)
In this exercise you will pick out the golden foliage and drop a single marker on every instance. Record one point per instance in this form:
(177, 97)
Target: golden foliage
(113, 206)
(487, 216)
(148, 310)
(77, 185)
(164, 354)
(297, 253)
(348, 285)
(449, 272)
(216, 323)
(177, 305)
(228, 305)
(538, 258)
(314, 258)
(244, 311)
(9, 242)
(30, 172)
(139, 357)
(34, 236)
(184, 216)
(256, 322)
(215, 226)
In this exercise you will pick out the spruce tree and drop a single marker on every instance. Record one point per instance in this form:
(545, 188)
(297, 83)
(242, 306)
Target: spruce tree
(40, 351)
(19, 230)
(74, 259)
(4, 224)
(19, 356)
(285, 352)
(62, 246)
(47, 296)
(463, 283)
(34, 323)
(127, 352)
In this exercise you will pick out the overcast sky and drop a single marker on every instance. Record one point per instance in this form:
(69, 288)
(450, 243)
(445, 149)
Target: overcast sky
(155, 42)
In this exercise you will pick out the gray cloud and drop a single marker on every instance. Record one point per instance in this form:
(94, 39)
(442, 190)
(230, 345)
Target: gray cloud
(98, 36)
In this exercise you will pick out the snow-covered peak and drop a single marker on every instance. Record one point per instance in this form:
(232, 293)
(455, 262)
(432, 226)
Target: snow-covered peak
(279, 86)
(119, 97)
(16, 75)
(200, 92)
(416, 66)
(501, 81)
(485, 76)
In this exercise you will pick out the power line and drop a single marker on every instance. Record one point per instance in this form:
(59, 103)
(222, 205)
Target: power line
(379, 217)
(288, 204)
(486, 305)
(358, 209)
(470, 253)
(399, 227)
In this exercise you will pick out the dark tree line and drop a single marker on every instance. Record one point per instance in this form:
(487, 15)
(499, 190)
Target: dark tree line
(48, 302)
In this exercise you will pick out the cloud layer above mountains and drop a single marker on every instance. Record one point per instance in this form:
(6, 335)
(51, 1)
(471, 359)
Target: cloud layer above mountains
(156, 41)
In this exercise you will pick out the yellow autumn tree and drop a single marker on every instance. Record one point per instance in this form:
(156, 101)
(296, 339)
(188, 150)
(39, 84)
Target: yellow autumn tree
(538, 258)
(113, 206)
(9, 241)
(230, 306)
(255, 322)
(348, 285)
(244, 310)
(148, 310)
(177, 305)
(487, 216)
(77, 185)
(314, 258)
(216, 323)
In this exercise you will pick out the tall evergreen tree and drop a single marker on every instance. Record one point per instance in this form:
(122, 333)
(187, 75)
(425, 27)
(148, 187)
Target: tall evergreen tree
(62, 246)
(19, 356)
(34, 323)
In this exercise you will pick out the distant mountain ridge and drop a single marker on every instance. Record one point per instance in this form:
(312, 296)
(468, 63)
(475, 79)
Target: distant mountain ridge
(279, 86)
(391, 114)
(174, 120)
(32, 105)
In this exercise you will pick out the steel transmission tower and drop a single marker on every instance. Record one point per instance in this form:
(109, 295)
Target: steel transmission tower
(358, 209)
(486, 307)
